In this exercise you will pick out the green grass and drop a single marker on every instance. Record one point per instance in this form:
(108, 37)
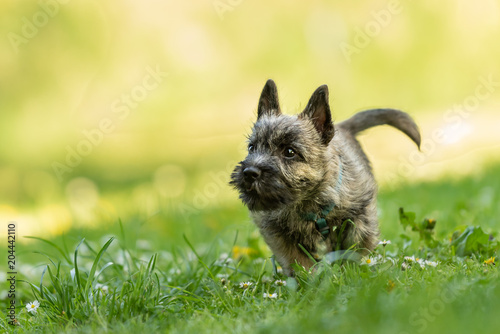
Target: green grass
(120, 284)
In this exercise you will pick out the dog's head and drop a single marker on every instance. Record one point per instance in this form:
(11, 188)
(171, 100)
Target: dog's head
(287, 158)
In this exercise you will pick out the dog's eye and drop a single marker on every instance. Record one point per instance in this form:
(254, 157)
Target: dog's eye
(250, 148)
(289, 152)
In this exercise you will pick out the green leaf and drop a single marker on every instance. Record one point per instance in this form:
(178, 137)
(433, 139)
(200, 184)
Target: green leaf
(54, 246)
(472, 240)
(77, 271)
(92, 276)
(407, 218)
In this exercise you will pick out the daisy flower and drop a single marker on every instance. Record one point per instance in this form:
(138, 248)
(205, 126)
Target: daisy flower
(280, 282)
(411, 259)
(32, 307)
(369, 261)
(270, 295)
(431, 263)
(384, 243)
(245, 285)
(421, 262)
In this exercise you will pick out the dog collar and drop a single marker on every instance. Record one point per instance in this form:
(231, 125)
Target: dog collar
(320, 219)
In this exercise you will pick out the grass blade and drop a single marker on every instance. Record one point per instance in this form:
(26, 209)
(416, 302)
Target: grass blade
(66, 257)
(92, 276)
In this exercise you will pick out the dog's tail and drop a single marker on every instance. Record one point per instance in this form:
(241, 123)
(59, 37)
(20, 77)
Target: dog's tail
(373, 117)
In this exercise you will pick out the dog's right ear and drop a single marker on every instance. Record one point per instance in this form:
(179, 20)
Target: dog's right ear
(268, 102)
(318, 111)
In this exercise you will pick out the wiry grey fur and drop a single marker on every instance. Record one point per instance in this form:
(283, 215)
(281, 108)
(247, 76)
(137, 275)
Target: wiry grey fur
(279, 187)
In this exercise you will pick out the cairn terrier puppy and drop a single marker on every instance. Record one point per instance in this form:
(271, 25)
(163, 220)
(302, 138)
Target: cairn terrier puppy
(307, 183)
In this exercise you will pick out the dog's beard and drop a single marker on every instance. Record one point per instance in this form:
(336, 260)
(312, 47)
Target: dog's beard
(268, 192)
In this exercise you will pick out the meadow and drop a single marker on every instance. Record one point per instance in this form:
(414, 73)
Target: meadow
(121, 120)
(437, 274)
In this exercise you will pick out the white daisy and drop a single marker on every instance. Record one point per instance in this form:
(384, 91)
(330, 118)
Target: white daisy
(421, 262)
(280, 282)
(384, 243)
(270, 295)
(245, 285)
(369, 261)
(431, 263)
(32, 307)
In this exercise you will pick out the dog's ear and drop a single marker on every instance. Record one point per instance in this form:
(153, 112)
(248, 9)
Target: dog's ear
(268, 102)
(318, 111)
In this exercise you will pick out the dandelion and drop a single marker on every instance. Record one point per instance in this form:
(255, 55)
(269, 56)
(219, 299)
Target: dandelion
(491, 261)
(245, 285)
(270, 295)
(32, 307)
(280, 282)
(369, 261)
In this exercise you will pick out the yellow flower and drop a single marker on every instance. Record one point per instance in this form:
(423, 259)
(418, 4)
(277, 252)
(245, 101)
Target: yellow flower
(491, 260)
(390, 285)
(242, 251)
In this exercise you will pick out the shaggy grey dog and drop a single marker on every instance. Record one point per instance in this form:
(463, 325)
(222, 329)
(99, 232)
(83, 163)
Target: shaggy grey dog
(307, 183)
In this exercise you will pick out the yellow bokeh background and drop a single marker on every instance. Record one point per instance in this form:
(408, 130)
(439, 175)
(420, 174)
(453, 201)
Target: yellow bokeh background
(176, 84)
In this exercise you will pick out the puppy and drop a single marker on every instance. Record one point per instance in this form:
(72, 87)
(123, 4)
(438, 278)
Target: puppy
(307, 182)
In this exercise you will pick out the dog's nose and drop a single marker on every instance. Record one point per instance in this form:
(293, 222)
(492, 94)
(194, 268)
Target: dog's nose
(251, 173)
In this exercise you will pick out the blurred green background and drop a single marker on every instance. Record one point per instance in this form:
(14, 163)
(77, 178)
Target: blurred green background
(139, 109)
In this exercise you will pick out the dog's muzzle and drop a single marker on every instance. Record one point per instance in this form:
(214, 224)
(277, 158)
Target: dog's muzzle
(250, 175)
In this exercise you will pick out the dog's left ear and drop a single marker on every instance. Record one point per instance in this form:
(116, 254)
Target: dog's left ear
(269, 102)
(318, 111)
